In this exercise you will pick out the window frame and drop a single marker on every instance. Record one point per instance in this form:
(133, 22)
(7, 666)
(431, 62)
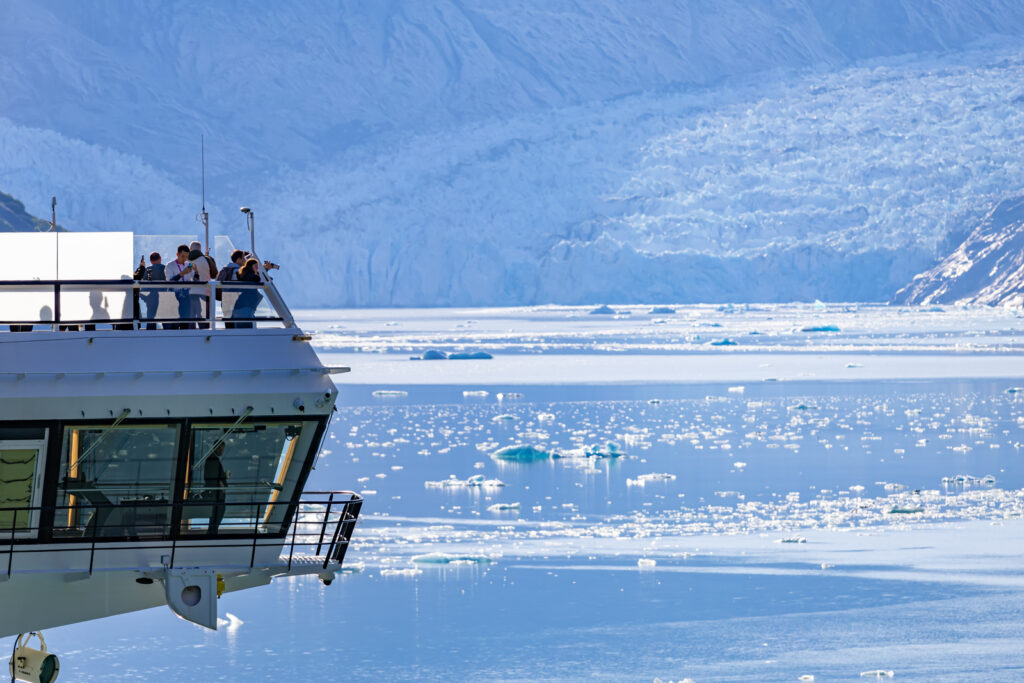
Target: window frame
(53, 452)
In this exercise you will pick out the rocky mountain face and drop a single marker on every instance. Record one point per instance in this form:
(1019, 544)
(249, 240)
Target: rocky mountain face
(14, 218)
(987, 268)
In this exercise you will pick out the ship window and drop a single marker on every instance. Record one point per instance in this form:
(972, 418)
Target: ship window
(20, 484)
(116, 481)
(241, 479)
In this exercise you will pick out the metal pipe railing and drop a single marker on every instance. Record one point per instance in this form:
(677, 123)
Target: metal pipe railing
(49, 297)
(303, 525)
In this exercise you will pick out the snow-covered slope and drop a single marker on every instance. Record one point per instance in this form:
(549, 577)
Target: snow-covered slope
(988, 268)
(476, 152)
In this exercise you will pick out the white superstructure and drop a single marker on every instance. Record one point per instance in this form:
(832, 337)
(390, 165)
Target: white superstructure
(141, 467)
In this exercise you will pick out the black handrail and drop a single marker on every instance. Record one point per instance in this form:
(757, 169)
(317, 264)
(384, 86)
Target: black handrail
(304, 519)
(203, 290)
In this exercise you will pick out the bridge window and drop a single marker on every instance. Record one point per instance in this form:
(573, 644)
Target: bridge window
(241, 479)
(116, 481)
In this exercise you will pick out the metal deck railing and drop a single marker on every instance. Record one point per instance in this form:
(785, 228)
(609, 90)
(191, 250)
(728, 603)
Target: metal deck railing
(88, 535)
(62, 305)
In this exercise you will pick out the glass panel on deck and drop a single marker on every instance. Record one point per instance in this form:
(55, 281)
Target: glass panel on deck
(241, 479)
(17, 474)
(116, 482)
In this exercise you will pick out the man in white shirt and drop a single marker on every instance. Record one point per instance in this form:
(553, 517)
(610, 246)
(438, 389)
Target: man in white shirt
(180, 270)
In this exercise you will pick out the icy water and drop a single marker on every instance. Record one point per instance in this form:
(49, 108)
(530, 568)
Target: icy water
(599, 501)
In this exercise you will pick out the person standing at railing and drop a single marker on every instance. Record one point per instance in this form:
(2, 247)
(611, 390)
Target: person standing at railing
(151, 297)
(229, 273)
(215, 478)
(180, 270)
(250, 297)
(205, 269)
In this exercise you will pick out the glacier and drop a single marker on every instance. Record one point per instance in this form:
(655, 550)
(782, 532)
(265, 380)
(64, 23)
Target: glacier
(476, 153)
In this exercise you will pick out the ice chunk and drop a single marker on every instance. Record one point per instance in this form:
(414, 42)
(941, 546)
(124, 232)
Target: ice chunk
(445, 558)
(878, 673)
(522, 453)
(388, 393)
(434, 354)
(736, 390)
(467, 355)
(905, 511)
(504, 418)
(662, 310)
(644, 479)
(475, 393)
(724, 342)
(820, 328)
(645, 563)
(603, 310)
(408, 571)
(792, 539)
(503, 507)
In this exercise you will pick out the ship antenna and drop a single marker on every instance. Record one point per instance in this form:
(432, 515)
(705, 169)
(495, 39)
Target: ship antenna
(206, 216)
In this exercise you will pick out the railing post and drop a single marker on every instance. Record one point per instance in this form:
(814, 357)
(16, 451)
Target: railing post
(323, 528)
(136, 311)
(10, 550)
(295, 526)
(56, 305)
(255, 535)
(211, 310)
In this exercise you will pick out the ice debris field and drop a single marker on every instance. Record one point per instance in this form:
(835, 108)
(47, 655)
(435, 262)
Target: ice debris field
(611, 496)
(872, 443)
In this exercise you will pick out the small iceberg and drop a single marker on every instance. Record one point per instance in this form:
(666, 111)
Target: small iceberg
(820, 328)
(469, 355)
(906, 511)
(662, 310)
(602, 310)
(505, 417)
(503, 507)
(408, 571)
(878, 673)
(644, 479)
(445, 558)
(1015, 390)
(792, 539)
(475, 393)
(522, 453)
(434, 354)
(389, 393)
(725, 342)
(645, 563)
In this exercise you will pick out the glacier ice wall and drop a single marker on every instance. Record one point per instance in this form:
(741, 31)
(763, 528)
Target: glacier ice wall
(478, 152)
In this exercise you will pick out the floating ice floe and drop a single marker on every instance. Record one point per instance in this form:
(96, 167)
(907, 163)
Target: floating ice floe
(906, 510)
(736, 390)
(739, 464)
(385, 393)
(545, 417)
(408, 571)
(645, 563)
(602, 310)
(475, 393)
(470, 355)
(662, 310)
(820, 328)
(792, 539)
(806, 677)
(504, 418)
(503, 507)
(645, 479)
(878, 673)
(724, 342)
(454, 482)
(445, 558)
(522, 453)
(1015, 390)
